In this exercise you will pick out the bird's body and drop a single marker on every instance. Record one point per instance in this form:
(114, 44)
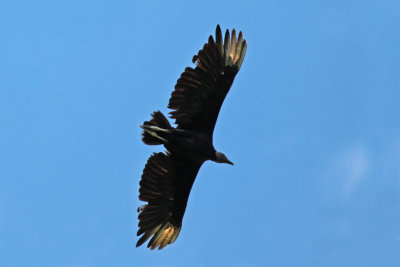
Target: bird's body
(168, 177)
(195, 146)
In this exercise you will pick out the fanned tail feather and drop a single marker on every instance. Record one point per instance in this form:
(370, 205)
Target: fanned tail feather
(159, 120)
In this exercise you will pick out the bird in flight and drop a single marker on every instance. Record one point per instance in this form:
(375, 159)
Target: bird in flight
(168, 177)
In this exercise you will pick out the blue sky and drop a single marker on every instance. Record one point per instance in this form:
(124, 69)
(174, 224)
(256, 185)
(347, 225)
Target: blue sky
(311, 123)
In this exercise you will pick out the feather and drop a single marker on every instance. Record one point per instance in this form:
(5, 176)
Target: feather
(242, 54)
(227, 48)
(218, 38)
(175, 236)
(238, 48)
(233, 45)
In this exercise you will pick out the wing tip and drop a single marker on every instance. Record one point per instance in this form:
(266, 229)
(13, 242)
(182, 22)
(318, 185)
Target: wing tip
(232, 48)
(163, 236)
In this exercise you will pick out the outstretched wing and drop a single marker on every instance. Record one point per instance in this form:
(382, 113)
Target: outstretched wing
(200, 92)
(165, 185)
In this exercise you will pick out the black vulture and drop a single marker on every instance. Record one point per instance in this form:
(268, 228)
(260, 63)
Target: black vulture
(168, 177)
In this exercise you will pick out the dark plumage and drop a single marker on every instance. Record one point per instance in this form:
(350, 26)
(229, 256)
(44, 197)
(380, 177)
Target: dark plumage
(168, 177)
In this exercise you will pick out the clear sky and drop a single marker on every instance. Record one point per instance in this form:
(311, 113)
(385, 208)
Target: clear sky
(311, 123)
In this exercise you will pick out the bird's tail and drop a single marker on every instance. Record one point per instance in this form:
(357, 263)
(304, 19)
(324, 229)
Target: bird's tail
(153, 128)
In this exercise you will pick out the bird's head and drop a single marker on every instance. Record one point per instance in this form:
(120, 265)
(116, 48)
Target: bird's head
(221, 158)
